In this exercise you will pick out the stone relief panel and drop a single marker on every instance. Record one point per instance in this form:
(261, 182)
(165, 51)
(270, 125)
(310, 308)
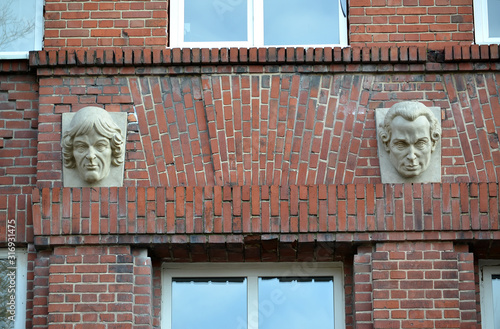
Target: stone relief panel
(93, 147)
(409, 148)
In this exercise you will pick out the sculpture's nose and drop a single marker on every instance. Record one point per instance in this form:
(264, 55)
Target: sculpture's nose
(91, 153)
(412, 156)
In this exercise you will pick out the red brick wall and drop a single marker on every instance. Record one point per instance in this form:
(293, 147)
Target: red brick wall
(361, 212)
(415, 285)
(276, 149)
(18, 147)
(273, 125)
(99, 286)
(77, 24)
(139, 23)
(269, 154)
(435, 23)
(40, 290)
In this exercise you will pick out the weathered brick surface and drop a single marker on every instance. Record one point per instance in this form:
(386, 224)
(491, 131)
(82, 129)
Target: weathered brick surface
(18, 149)
(85, 24)
(99, 286)
(252, 155)
(415, 285)
(40, 290)
(388, 22)
(272, 129)
(369, 210)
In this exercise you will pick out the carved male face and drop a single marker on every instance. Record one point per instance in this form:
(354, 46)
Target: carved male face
(410, 146)
(92, 144)
(92, 154)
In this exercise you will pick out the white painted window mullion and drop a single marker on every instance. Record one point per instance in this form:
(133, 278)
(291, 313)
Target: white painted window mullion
(176, 16)
(342, 25)
(253, 302)
(258, 23)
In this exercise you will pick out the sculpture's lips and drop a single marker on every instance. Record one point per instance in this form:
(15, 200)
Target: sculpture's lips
(92, 167)
(412, 168)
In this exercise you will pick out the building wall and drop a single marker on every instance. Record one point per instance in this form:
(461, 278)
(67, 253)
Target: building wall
(139, 23)
(253, 155)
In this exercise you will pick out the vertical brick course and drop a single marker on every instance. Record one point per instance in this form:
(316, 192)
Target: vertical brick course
(370, 208)
(270, 129)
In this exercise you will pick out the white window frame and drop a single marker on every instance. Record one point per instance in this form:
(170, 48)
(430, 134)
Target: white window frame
(252, 271)
(21, 255)
(38, 41)
(481, 30)
(487, 268)
(255, 30)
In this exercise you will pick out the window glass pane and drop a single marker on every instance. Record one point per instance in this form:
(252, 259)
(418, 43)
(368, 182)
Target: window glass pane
(6, 291)
(215, 303)
(17, 25)
(495, 284)
(281, 298)
(299, 22)
(215, 20)
(493, 21)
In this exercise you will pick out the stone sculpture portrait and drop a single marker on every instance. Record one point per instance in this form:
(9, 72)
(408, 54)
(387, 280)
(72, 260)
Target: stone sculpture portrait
(410, 134)
(92, 145)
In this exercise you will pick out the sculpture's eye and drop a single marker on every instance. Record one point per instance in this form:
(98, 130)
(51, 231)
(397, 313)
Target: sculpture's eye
(80, 147)
(101, 146)
(421, 144)
(400, 145)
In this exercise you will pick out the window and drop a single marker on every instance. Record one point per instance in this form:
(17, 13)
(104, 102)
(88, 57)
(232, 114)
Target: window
(490, 294)
(13, 279)
(257, 23)
(252, 296)
(486, 22)
(21, 27)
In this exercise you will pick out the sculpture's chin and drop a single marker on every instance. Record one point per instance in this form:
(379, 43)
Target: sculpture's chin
(92, 177)
(406, 174)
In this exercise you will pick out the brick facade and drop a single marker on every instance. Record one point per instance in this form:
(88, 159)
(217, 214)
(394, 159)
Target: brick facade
(253, 155)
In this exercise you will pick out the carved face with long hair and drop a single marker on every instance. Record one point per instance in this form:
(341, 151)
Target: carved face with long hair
(410, 132)
(92, 144)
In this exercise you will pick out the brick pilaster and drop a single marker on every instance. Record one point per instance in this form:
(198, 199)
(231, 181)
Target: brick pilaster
(363, 290)
(106, 287)
(423, 285)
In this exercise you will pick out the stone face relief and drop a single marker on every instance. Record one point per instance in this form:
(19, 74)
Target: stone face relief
(93, 146)
(409, 143)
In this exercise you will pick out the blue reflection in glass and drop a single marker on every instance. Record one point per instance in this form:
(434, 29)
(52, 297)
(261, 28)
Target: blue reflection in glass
(18, 26)
(218, 303)
(296, 303)
(495, 284)
(215, 20)
(493, 21)
(299, 22)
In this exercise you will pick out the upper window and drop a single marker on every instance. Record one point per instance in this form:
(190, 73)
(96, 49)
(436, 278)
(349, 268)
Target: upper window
(257, 23)
(253, 296)
(21, 27)
(490, 294)
(13, 279)
(486, 22)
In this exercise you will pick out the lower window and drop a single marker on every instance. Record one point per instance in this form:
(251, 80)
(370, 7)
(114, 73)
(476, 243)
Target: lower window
(253, 296)
(13, 279)
(490, 294)
(21, 27)
(486, 23)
